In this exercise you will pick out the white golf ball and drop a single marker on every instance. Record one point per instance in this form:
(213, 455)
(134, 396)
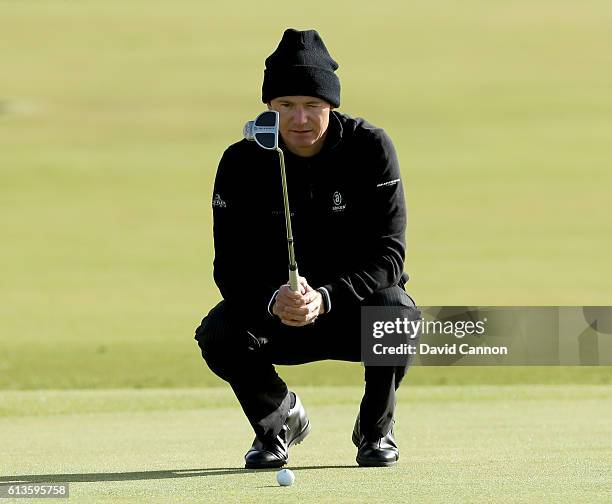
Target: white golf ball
(285, 477)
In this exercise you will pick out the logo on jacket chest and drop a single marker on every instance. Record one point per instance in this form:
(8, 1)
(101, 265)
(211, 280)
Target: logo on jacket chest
(338, 202)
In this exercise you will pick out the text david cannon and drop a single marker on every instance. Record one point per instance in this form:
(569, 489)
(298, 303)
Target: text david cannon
(425, 349)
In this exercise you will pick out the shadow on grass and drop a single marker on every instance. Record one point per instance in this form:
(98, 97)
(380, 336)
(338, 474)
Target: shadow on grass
(146, 475)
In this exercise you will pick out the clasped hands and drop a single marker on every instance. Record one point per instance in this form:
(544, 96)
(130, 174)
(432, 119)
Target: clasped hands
(298, 308)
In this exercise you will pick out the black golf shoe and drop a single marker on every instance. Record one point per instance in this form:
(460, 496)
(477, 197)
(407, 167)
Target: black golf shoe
(381, 452)
(275, 453)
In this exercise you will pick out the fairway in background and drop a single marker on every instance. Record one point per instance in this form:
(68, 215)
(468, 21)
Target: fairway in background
(113, 116)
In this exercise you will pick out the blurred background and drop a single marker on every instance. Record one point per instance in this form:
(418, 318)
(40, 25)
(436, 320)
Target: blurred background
(114, 114)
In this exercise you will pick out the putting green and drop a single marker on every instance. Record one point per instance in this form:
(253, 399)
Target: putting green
(476, 444)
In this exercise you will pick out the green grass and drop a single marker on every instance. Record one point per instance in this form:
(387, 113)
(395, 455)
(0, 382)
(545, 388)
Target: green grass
(465, 444)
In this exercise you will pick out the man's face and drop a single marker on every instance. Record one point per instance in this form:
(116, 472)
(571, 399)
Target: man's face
(303, 122)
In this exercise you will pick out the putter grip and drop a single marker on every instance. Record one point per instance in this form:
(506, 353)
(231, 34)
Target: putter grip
(293, 279)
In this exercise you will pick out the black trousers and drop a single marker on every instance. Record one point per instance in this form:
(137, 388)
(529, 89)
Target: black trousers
(244, 354)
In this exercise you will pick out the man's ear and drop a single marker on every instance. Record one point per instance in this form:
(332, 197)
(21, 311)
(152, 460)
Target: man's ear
(269, 106)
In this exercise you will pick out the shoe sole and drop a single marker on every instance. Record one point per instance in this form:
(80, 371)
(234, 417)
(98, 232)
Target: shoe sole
(370, 463)
(301, 436)
(270, 465)
(280, 463)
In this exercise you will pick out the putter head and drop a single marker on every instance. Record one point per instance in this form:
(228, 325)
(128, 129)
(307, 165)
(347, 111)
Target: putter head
(263, 130)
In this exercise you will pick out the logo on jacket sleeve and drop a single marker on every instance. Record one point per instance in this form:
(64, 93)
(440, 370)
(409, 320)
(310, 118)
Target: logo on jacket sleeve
(338, 201)
(218, 202)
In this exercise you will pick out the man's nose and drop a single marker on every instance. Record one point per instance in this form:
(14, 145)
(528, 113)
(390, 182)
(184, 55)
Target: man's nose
(300, 115)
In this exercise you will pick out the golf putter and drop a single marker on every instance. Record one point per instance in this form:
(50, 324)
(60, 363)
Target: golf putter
(264, 131)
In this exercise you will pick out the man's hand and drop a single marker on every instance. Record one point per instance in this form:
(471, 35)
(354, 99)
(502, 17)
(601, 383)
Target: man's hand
(298, 308)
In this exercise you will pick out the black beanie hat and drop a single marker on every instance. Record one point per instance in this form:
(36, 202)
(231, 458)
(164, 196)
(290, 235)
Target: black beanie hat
(301, 66)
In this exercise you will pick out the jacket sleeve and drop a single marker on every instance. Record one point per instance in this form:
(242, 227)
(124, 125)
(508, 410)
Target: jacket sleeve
(237, 279)
(384, 232)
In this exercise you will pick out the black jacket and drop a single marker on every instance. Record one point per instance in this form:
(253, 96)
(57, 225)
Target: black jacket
(348, 217)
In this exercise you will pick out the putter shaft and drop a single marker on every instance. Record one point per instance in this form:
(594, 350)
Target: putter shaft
(293, 269)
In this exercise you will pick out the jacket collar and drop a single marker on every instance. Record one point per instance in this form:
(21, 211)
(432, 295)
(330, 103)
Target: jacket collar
(334, 132)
